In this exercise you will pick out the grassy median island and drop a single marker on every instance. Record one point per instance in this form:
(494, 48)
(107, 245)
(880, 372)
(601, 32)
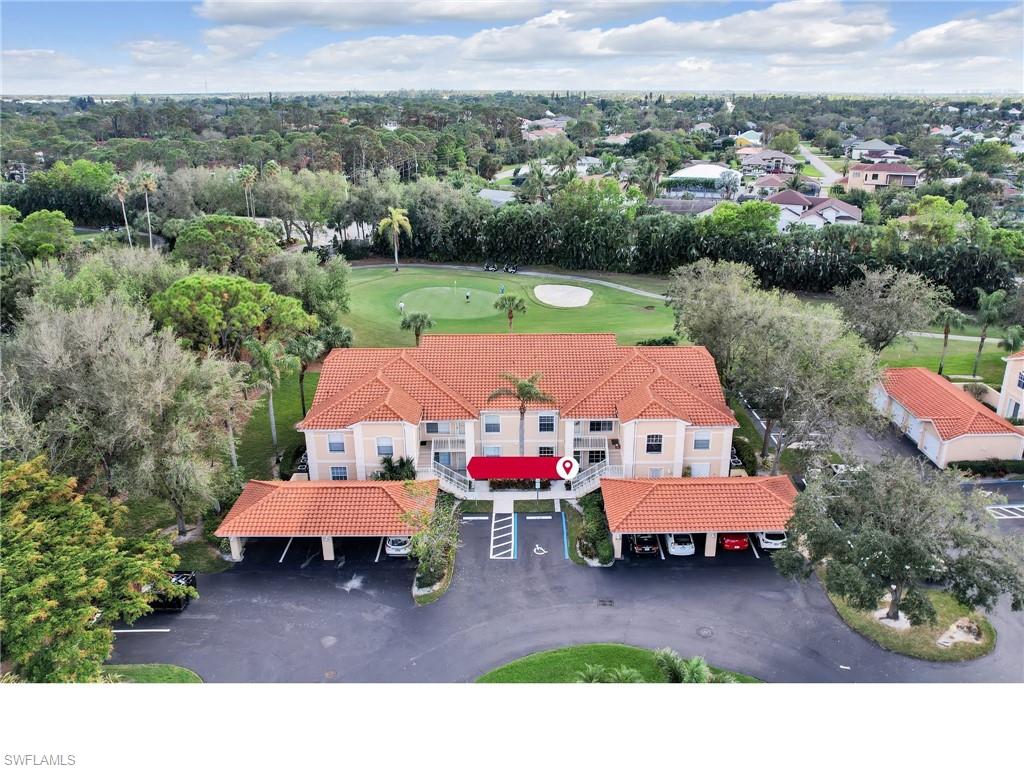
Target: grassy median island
(920, 642)
(152, 673)
(563, 664)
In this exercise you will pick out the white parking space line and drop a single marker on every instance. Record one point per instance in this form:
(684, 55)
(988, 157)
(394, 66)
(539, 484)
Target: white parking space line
(1009, 512)
(753, 546)
(137, 631)
(286, 549)
(379, 548)
(503, 540)
(474, 517)
(538, 517)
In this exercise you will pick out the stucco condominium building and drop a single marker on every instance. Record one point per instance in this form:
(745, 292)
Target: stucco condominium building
(621, 411)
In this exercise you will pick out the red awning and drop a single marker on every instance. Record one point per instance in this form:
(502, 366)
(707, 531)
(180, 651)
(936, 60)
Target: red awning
(513, 467)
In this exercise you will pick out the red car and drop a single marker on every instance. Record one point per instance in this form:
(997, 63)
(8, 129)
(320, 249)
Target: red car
(734, 541)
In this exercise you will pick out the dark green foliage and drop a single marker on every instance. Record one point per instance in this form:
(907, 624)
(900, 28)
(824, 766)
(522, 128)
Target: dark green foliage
(402, 468)
(746, 452)
(990, 467)
(595, 540)
(518, 485)
(660, 341)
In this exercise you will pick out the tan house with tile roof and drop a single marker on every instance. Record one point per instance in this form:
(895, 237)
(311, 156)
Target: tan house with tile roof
(620, 411)
(945, 422)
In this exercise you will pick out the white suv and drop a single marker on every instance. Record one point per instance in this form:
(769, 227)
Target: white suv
(679, 544)
(772, 539)
(398, 546)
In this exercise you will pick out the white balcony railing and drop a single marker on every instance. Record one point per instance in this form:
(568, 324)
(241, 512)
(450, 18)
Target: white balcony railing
(590, 443)
(590, 478)
(450, 479)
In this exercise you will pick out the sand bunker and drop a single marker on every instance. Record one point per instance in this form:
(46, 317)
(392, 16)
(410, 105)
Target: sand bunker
(563, 295)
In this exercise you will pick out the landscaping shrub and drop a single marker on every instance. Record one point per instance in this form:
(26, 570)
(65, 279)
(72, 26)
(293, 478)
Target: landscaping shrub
(595, 540)
(746, 453)
(354, 250)
(518, 485)
(660, 341)
(990, 467)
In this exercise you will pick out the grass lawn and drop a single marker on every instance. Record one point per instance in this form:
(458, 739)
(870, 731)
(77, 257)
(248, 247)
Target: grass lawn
(145, 516)
(653, 283)
(925, 352)
(152, 673)
(200, 556)
(919, 642)
(376, 292)
(573, 523)
(535, 507)
(254, 450)
(809, 170)
(562, 664)
(475, 507)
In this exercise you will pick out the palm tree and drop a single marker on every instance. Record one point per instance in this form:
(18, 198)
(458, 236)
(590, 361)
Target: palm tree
(121, 189)
(267, 362)
(305, 349)
(728, 184)
(646, 176)
(535, 186)
(145, 181)
(592, 673)
(991, 307)
(525, 391)
(393, 225)
(679, 670)
(598, 673)
(949, 317)
(796, 183)
(247, 176)
(1013, 339)
(565, 156)
(417, 322)
(391, 469)
(510, 305)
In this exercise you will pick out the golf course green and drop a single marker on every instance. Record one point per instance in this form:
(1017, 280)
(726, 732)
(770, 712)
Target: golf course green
(441, 293)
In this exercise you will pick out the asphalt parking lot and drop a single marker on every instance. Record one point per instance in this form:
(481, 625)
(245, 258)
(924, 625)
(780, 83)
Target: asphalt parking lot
(354, 620)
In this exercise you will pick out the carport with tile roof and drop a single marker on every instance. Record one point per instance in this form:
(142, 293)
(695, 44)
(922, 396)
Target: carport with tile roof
(709, 505)
(328, 509)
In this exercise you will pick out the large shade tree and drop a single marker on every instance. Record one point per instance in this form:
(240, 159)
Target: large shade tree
(67, 578)
(225, 244)
(885, 531)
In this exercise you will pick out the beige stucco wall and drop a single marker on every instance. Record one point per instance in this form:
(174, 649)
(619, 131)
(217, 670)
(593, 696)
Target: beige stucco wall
(978, 447)
(360, 454)
(1010, 393)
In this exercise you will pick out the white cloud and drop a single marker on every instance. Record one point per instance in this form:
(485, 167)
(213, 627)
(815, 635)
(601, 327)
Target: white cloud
(159, 53)
(238, 41)
(383, 53)
(999, 32)
(38, 64)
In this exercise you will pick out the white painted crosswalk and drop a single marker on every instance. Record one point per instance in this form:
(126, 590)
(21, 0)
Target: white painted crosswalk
(1008, 512)
(503, 533)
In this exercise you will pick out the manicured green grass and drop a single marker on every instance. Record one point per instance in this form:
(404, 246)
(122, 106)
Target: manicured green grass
(475, 507)
(919, 642)
(562, 664)
(573, 524)
(535, 507)
(924, 352)
(809, 170)
(376, 292)
(200, 556)
(254, 448)
(144, 516)
(654, 283)
(152, 673)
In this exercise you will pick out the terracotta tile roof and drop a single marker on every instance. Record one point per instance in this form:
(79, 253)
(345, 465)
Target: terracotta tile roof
(330, 508)
(897, 168)
(930, 397)
(698, 504)
(450, 377)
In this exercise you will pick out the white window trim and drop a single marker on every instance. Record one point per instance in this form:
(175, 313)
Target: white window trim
(549, 447)
(343, 469)
(554, 423)
(702, 435)
(390, 442)
(491, 416)
(661, 444)
(331, 443)
(489, 450)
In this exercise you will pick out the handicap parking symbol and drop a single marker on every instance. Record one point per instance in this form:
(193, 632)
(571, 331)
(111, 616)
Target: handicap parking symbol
(539, 550)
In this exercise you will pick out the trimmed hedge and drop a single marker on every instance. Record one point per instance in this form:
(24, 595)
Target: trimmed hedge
(990, 467)
(518, 485)
(746, 453)
(595, 539)
(660, 341)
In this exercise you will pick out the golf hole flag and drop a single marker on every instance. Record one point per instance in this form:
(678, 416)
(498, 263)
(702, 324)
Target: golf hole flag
(522, 467)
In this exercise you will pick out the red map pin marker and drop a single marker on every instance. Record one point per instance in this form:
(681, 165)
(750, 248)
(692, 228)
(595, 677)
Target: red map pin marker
(567, 467)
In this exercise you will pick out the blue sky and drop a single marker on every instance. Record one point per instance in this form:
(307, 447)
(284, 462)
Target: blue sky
(295, 45)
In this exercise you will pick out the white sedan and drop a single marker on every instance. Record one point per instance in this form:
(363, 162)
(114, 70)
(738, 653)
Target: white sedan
(679, 544)
(398, 546)
(772, 539)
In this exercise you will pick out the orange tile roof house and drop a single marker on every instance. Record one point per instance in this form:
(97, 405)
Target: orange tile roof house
(872, 176)
(632, 411)
(697, 505)
(325, 510)
(945, 422)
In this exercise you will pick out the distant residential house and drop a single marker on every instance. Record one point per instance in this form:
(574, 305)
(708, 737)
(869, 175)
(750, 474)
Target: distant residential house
(941, 130)
(872, 176)
(744, 151)
(767, 161)
(681, 206)
(776, 182)
(706, 128)
(816, 212)
(496, 197)
(542, 133)
(699, 180)
(617, 139)
(860, 148)
(881, 156)
(750, 139)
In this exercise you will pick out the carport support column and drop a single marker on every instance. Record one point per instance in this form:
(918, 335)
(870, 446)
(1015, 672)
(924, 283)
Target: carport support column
(328, 544)
(237, 548)
(617, 545)
(711, 544)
